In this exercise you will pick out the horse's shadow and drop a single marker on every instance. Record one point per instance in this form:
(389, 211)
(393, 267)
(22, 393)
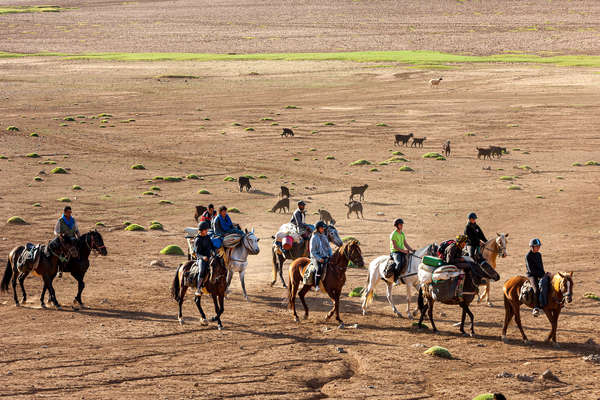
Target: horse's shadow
(122, 314)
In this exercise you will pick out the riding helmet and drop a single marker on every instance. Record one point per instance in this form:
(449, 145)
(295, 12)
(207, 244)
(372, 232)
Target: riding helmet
(320, 224)
(301, 203)
(472, 215)
(204, 225)
(461, 238)
(535, 242)
(398, 221)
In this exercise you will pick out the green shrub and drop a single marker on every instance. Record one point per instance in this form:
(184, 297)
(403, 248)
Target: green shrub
(158, 178)
(206, 119)
(539, 196)
(507, 178)
(274, 124)
(360, 162)
(126, 223)
(155, 188)
(262, 177)
(560, 177)
(172, 250)
(312, 149)
(397, 153)
(12, 128)
(484, 396)
(469, 134)
(348, 239)
(148, 193)
(292, 107)
(192, 176)
(138, 166)
(58, 170)
(329, 124)
(134, 227)
(248, 176)
(249, 129)
(38, 179)
(441, 158)
(314, 132)
(16, 221)
(172, 179)
(81, 116)
(514, 187)
(36, 205)
(34, 134)
(229, 179)
(33, 155)
(395, 159)
(266, 119)
(381, 124)
(516, 149)
(438, 352)
(64, 200)
(383, 163)
(295, 159)
(234, 210)
(203, 191)
(165, 202)
(156, 226)
(63, 124)
(432, 155)
(104, 115)
(590, 295)
(235, 124)
(2, 157)
(76, 187)
(100, 223)
(69, 119)
(48, 162)
(356, 292)
(373, 170)
(592, 163)
(406, 168)
(524, 167)
(330, 158)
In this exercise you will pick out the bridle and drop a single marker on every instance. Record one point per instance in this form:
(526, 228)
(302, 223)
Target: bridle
(350, 255)
(566, 285)
(501, 251)
(93, 246)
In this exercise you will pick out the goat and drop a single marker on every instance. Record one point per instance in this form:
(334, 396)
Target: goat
(435, 82)
(446, 148)
(244, 182)
(326, 217)
(355, 206)
(484, 152)
(282, 205)
(287, 132)
(418, 142)
(402, 138)
(497, 151)
(199, 211)
(358, 190)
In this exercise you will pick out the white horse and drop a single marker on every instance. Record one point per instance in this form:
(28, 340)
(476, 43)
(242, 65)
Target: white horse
(409, 278)
(238, 256)
(491, 250)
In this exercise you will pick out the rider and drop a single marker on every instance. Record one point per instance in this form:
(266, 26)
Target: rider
(399, 247)
(320, 251)
(67, 227)
(535, 271)
(298, 219)
(203, 248)
(476, 238)
(209, 214)
(222, 224)
(454, 253)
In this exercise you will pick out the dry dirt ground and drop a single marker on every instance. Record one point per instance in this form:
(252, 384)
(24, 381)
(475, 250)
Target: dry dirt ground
(128, 342)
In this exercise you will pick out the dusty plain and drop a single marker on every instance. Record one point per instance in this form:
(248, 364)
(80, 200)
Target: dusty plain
(128, 343)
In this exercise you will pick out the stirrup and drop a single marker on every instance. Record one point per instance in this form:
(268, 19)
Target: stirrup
(536, 312)
(60, 274)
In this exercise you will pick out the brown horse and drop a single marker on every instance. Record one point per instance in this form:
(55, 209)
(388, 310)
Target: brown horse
(561, 289)
(216, 286)
(333, 282)
(45, 265)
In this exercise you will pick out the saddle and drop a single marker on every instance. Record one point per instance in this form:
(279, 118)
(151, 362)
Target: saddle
(527, 294)
(447, 284)
(31, 254)
(190, 274)
(310, 272)
(393, 271)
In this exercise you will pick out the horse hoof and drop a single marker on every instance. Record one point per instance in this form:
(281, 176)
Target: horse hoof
(456, 324)
(296, 319)
(364, 313)
(180, 321)
(17, 305)
(220, 327)
(556, 345)
(43, 305)
(247, 298)
(305, 316)
(504, 339)
(472, 334)
(490, 304)
(341, 326)
(527, 342)
(284, 286)
(204, 321)
(272, 283)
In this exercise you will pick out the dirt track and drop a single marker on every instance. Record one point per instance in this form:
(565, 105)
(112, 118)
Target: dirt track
(129, 344)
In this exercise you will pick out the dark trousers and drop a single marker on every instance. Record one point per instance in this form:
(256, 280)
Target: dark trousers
(202, 271)
(399, 259)
(535, 282)
(319, 271)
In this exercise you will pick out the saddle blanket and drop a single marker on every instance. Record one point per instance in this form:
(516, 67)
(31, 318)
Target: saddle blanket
(310, 272)
(425, 274)
(30, 254)
(449, 290)
(288, 230)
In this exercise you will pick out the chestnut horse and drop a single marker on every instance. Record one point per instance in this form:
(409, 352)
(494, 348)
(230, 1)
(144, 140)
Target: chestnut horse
(46, 267)
(561, 289)
(332, 284)
(216, 285)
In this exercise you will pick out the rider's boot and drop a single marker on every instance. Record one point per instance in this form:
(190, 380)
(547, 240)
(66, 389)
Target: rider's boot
(317, 281)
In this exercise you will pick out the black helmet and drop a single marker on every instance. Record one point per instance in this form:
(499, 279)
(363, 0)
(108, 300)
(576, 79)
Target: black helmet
(320, 224)
(398, 221)
(472, 215)
(203, 225)
(301, 203)
(535, 242)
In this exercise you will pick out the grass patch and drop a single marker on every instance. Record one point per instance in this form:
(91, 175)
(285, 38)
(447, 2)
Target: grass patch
(381, 124)
(406, 168)
(262, 177)
(514, 187)
(172, 179)
(148, 193)
(484, 396)
(348, 239)
(314, 132)
(34, 134)
(138, 166)
(432, 155)
(29, 9)
(100, 223)
(158, 178)
(330, 158)
(329, 124)
(539, 196)
(397, 153)
(192, 176)
(2, 157)
(312, 149)
(38, 179)
(438, 351)
(590, 295)
(560, 177)
(524, 167)
(165, 202)
(248, 176)
(172, 250)
(58, 170)
(156, 226)
(12, 128)
(64, 200)
(155, 188)
(274, 124)
(291, 107)
(69, 119)
(576, 164)
(234, 210)
(16, 221)
(33, 155)
(126, 223)
(266, 119)
(76, 187)
(104, 115)
(235, 124)
(383, 163)
(592, 163)
(229, 179)
(249, 129)
(360, 162)
(507, 178)
(63, 124)
(134, 227)
(356, 292)
(48, 162)
(295, 159)
(441, 158)
(373, 170)
(470, 134)
(395, 159)
(203, 191)
(36, 205)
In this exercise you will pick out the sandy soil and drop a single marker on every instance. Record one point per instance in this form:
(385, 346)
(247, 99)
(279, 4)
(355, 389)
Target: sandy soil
(128, 342)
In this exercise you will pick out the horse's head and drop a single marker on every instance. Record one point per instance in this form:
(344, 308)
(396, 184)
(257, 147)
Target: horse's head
(432, 249)
(333, 236)
(566, 285)
(251, 242)
(501, 243)
(485, 271)
(66, 246)
(351, 250)
(95, 242)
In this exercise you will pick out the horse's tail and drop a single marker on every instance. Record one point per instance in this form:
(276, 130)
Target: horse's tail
(367, 293)
(175, 287)
(420, 300)
(275, 263)
(7, 275)
(290, 288)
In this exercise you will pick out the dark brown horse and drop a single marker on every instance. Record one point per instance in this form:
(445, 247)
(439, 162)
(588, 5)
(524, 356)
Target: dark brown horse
(46, 268)
(216, 285)
(332, 284)
(86, 243)
(561, 289)
(473, 279)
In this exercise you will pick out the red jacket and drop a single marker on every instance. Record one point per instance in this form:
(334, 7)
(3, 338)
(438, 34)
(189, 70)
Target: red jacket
(207, 217)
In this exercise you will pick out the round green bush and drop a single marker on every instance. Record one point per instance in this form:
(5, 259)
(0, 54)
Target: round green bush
(250, 129)
(69, 119)
(58, 170)
(576, 164)
(155, 188)
(405, 168)
(36, 205)
(192, 176)
(34, 134)
(397, 153)
(507, 178)
(64, 200)
(203, 191)
(484, 396)
(229, 179)
(16, 221)
(100, 223)
(2, 157)
(438, 351)
(356, 292)
(234, 210)
(330, 158)
(158, 178)
(156, 226)
(33, 155)
(138, 166)
(148, 193)
(12, 128)
(172, 179)
(539, 196)
(360, 162)
(592, 163)
(48, 162)
(76, 187)
(134, 227)
(165, 202)
(38, 179)
(432, 155)
(172, 250)
(373, 170)
(514, 187)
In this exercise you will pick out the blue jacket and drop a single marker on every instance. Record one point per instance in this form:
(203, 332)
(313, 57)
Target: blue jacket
(319, 246)
(298, 218)
(222, 226)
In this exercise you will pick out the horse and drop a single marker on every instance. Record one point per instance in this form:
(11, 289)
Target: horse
(46, 267)
(216, 286)
(561, 289)
(86, 243)
(298, 250)
(332, 283)
(236, 260)
(376, 273)
(490, 251)
(472, 281)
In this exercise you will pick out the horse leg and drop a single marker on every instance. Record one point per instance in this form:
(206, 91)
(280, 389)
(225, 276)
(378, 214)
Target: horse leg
(48, 283)
(243, 284)
(517, 311)
(430, 313)
(555, 325)
(508, 315)
(462, 319)
(281, 261)
(293, 290)
(182, 290)
(408, 296)
(14, 286)
(301, 294)
(332, 295)
(276, 268)
(22, 277)
(42, 302)
(390, 299)
(337, 308)
(198, 300)
(486, 294)
(470, 314)
(80, 286)
(229, 276)
(218, 310)
(553, 319)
